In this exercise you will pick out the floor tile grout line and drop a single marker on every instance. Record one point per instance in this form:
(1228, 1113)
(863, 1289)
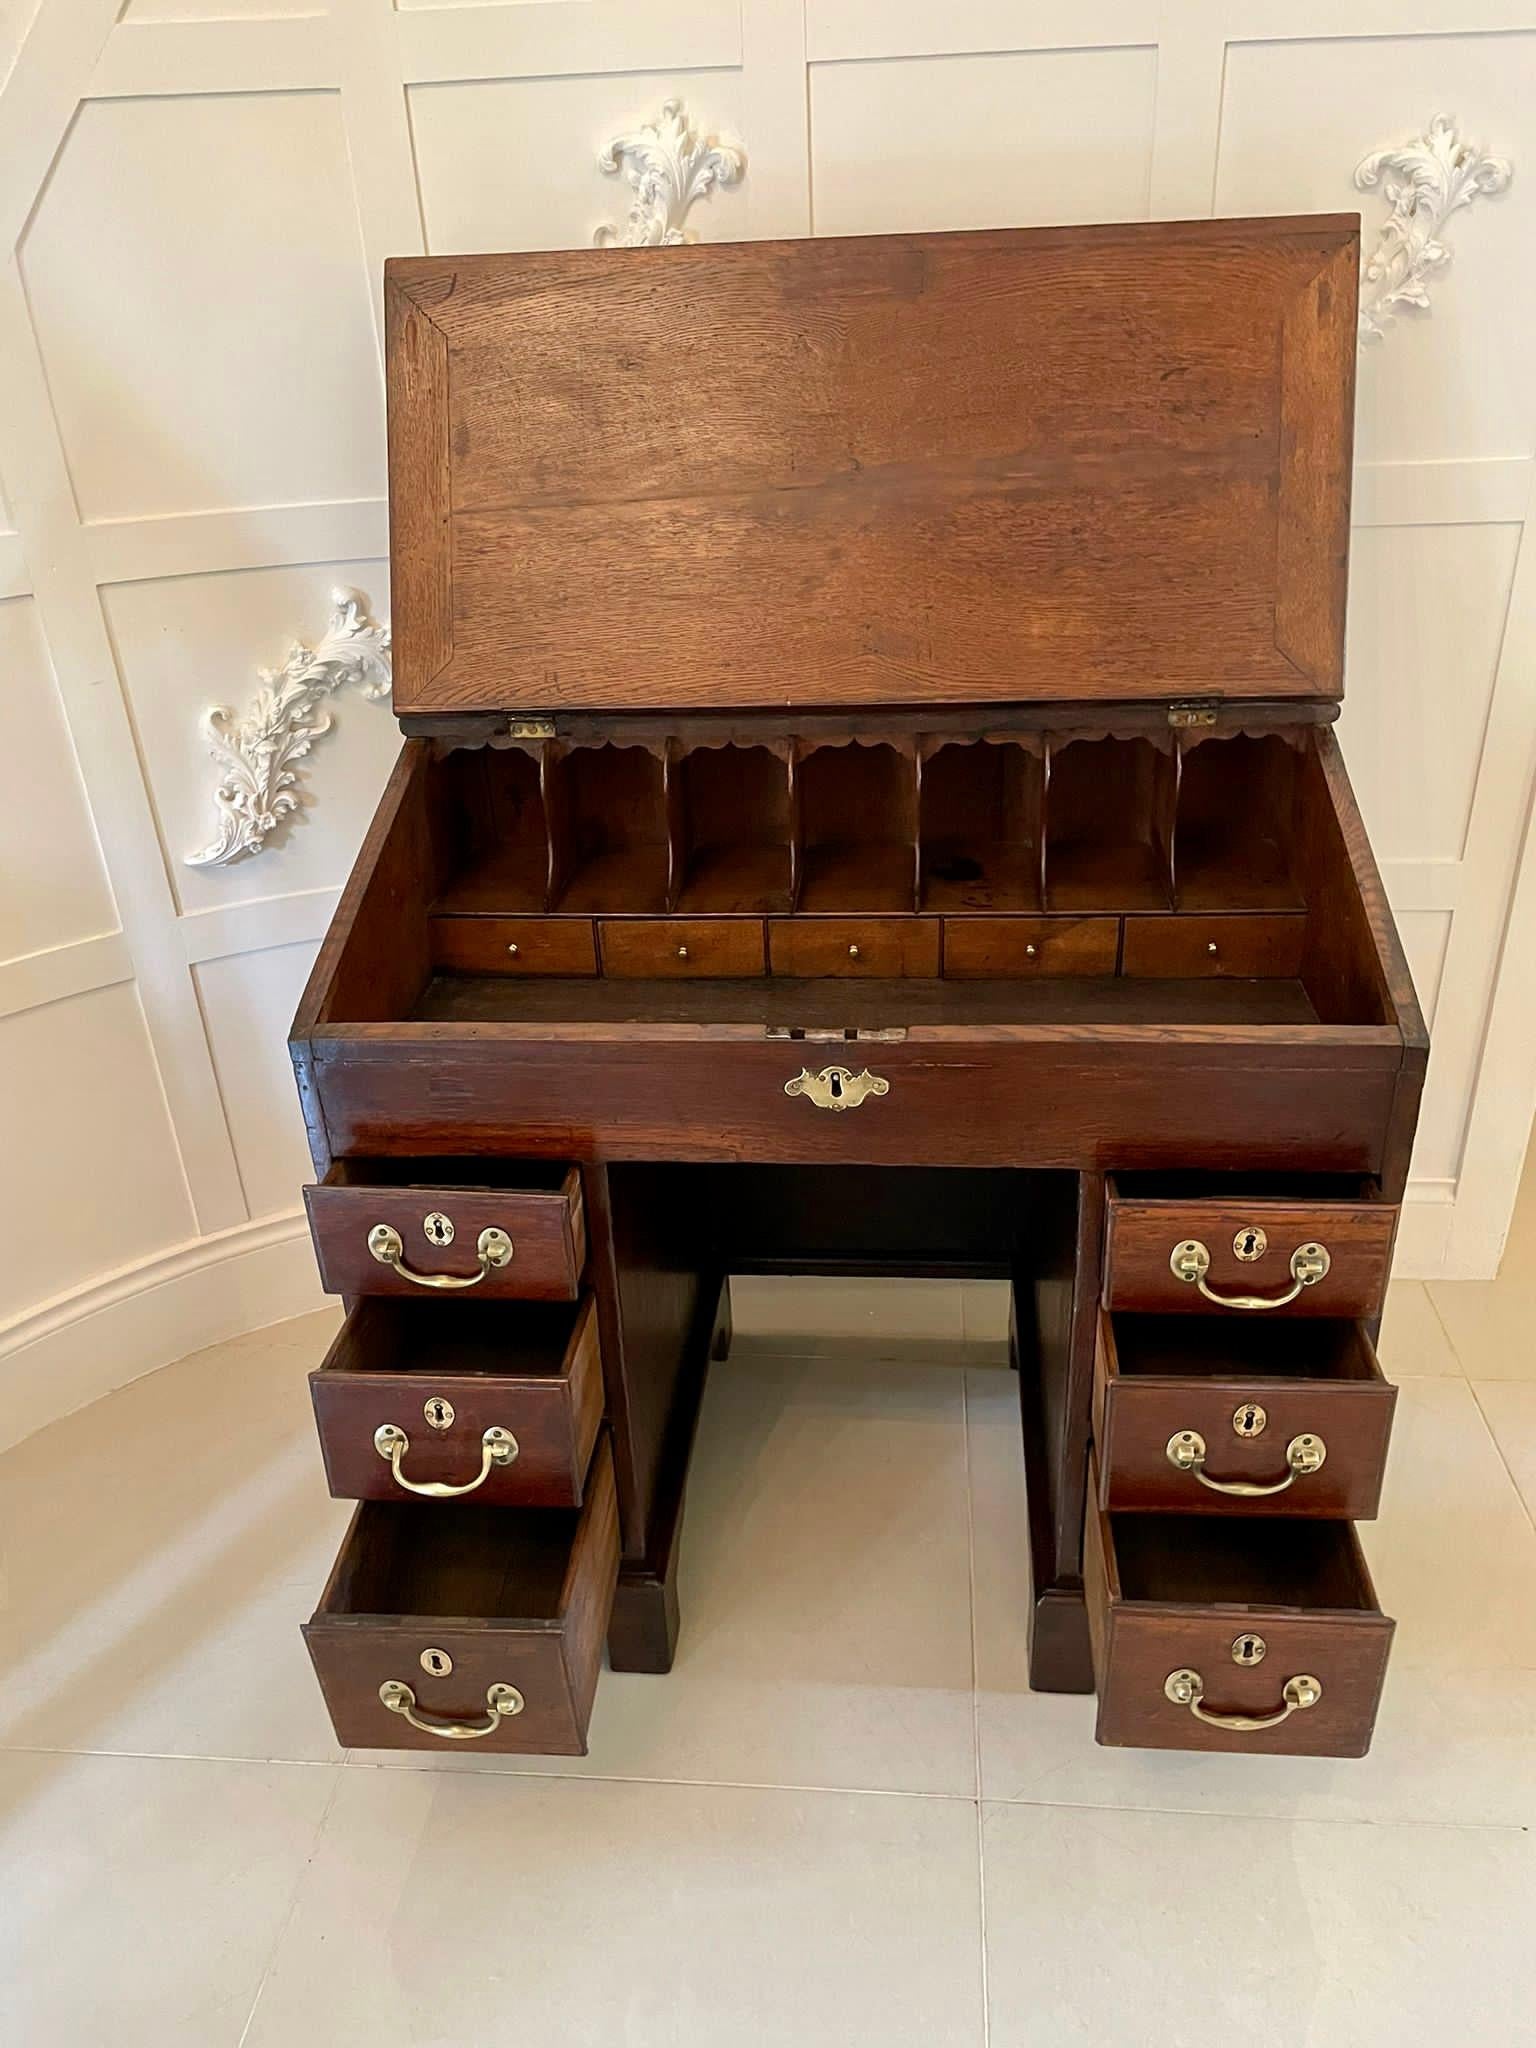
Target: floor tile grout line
(1445, 1331)
(1477, 1399)
(1285, 1820)
(175, 1756)
(293, 1906)
(468, 1770)
(981, 1852)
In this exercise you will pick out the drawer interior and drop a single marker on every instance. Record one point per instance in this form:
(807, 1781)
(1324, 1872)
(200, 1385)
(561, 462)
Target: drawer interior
(478, 1563)
(447, 1338)
(1188, 1347)
(1258, 1562)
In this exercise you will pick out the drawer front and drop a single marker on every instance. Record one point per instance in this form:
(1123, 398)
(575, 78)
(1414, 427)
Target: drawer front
(549, 1658)
(884, 948)
(653, 949)
(504, 1439)
(1251, 1246)
(1153, 1661)
(410, 1239)
(1189, 948)
(514, 945)
(1010, 947)
(951, 1100)
(1244, 1441)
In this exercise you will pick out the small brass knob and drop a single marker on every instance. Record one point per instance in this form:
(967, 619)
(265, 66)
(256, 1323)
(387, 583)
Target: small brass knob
(1031, 950)
(682, 952)
(512, 949)
(1211, 948)
(853, 952)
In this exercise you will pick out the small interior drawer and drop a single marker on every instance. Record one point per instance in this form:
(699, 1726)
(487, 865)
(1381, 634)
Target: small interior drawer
(513, 1230)
(1241, 1619)
(1188, 948)
(513, 945)
(657, 948)
(487, 1624)
(1190, 1413)
(1197, 1245)
(1011, 947)
(498, 1400)
(887, 948)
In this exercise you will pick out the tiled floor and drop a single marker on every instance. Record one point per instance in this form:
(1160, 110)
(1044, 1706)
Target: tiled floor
(843, 1820)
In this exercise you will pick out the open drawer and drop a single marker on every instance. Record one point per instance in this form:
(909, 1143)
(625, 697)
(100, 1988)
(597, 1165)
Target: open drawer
(480, 1626)
(1241, 1416)
(1213, 1244)
(501, 1400)
(511, 1229)
(1247, 1636)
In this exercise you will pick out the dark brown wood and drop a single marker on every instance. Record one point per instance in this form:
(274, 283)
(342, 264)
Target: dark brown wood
(514, 1597)
(1158, 1376)
(1050, 1340)
(981, 824)
(539, 1208)
(1169, 1593)
(681, 948)
(643, 1631)
(966, 1096)
(1010, 947)
(514, 945)
(750, 755)
(1258, 947)
(1108, 813)
(1147, 1220)
(805, 512)
(533, 1369)
(870, 948)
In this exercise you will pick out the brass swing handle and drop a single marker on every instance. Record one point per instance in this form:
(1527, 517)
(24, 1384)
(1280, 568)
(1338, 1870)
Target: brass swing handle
(1185, 1451)
(1187, 1689)
(497, 1447)
(1190, 1261)
(493, 1245)
(501, 1702)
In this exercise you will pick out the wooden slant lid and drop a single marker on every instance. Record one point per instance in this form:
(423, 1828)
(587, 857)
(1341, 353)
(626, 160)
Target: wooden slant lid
(1033, 464)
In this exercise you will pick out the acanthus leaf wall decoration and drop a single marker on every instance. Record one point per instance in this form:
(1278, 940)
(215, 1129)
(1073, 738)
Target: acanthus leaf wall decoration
(669, 165)
(1424, 182)
(258, 756)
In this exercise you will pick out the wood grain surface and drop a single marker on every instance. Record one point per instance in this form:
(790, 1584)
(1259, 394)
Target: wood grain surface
(907, 469)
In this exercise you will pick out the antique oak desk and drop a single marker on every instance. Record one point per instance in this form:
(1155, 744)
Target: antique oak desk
(869, 806)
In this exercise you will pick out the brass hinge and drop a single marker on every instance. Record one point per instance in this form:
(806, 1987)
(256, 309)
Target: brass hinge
(1196, 711)
(530, 728)
(837, 1034)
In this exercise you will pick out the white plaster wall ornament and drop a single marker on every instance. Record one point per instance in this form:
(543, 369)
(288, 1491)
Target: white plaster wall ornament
(1424, 182)
(669, 165)
(257, 791)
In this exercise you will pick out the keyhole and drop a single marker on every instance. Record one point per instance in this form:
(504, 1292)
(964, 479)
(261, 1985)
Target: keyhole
(1250, 1419)
(437, 1228)
(835, 1084)
(1250, 1243)
(438, 1412)
(436, 1663)
(1249, 1649)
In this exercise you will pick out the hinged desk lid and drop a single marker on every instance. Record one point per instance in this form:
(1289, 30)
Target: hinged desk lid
(1049, 464)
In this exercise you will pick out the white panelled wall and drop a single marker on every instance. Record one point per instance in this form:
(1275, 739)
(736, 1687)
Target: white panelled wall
(196, 198)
